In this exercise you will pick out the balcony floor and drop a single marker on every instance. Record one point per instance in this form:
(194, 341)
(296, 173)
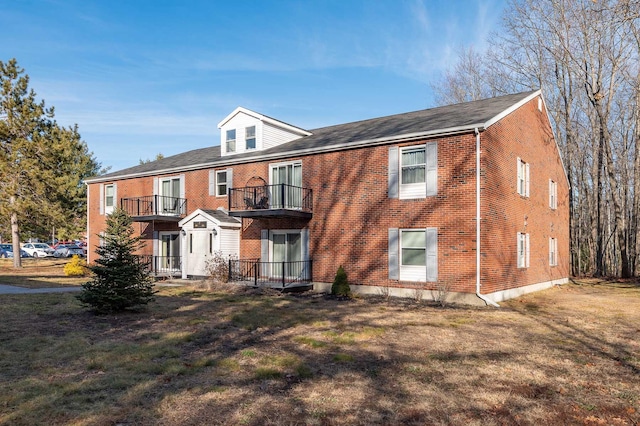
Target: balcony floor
(274, 213)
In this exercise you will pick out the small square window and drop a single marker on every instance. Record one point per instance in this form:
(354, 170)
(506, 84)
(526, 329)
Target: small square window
(250, 137)
(231, 140)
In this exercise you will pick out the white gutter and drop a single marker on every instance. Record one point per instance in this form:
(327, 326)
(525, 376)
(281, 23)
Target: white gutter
(481, 296)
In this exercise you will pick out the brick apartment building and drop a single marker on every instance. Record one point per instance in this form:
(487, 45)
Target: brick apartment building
(394, 200)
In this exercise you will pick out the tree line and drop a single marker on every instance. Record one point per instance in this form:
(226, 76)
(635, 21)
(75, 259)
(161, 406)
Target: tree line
(42, 165)
(585, 56)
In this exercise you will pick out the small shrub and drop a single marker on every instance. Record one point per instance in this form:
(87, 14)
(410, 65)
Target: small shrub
(217, 268)
(340, 285)
(75, 268)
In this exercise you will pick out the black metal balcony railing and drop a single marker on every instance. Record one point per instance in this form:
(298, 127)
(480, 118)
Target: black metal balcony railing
(254, 272)
(154, 205)
(159, 266)
(271, 200)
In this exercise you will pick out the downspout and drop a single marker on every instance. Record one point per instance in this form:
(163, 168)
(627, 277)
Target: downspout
(480, 295)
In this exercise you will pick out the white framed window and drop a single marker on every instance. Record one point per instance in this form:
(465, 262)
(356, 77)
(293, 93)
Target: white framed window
(413, 171)
(523, 178)
(250, 137)
(553, 194)
(413, 254)
(413, 166)
(231, 140)
(553, 252)
(523, 250)
(109, 198)
(221, 183)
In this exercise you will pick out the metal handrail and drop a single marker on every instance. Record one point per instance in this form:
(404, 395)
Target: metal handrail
(154, 205)
(265, 197)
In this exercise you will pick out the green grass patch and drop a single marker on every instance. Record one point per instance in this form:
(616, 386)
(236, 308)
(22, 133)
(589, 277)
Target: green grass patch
(341, 357)
(309, 341)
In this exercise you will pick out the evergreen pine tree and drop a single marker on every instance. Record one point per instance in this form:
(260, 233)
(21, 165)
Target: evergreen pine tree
(340, 285)
(120, 279)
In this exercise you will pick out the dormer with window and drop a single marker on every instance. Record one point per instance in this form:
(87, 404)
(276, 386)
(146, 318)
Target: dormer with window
(247, 131)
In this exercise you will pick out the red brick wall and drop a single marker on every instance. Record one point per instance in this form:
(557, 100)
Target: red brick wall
(352, 212)
(525, 133)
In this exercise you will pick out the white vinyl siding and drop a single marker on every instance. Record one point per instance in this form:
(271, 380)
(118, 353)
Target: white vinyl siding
(523, 177)
(553, 194)
(253, 134)
(229, 242)
(523, 250)
(415, 172)
(553, 252)
(413, 254)
(274, 136)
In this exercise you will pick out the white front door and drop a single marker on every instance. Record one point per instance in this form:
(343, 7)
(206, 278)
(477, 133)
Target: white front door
(199, 249)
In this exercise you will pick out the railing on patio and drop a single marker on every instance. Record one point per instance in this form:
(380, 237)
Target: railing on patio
(163, 266)
(282, 274)
(264, 199)
(154, 205)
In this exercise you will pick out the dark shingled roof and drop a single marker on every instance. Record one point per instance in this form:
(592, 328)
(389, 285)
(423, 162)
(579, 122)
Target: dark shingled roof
(463, 115)
(221, 216)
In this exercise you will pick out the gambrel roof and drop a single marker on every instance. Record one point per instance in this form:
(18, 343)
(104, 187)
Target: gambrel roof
(431, 122)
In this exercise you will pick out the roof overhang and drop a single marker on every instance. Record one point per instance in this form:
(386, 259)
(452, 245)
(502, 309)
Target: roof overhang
(265, 119)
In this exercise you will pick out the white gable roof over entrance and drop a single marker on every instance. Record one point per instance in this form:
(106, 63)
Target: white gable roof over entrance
(218, 217)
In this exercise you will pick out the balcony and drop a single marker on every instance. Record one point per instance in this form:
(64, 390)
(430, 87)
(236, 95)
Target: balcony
(283, 275)
(266, 201)
(155, 208)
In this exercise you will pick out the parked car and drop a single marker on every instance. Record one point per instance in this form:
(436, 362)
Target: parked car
(38, 249)
(68, 250)
(6, 250)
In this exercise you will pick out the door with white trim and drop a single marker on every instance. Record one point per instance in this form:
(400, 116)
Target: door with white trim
(199, 249)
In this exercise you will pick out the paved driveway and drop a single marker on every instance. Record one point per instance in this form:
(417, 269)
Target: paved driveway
(10, 289)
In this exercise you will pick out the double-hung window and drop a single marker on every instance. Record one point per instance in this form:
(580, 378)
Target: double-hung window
(553, 194)
(231, 140)
(250, 137)
(413, 171)
(221, 183)
(523, 250)
(523, 178)
(413, 166)
(553, 252)
(109, 199)
(413, 254)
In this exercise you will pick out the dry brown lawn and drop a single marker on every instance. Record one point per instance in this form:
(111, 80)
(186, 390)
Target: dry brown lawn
(569, 355)
(37, 273)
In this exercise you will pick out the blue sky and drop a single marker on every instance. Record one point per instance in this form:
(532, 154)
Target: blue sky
(143, 77)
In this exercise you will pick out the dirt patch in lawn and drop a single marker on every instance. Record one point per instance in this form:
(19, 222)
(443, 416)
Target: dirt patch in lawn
(568, 355)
